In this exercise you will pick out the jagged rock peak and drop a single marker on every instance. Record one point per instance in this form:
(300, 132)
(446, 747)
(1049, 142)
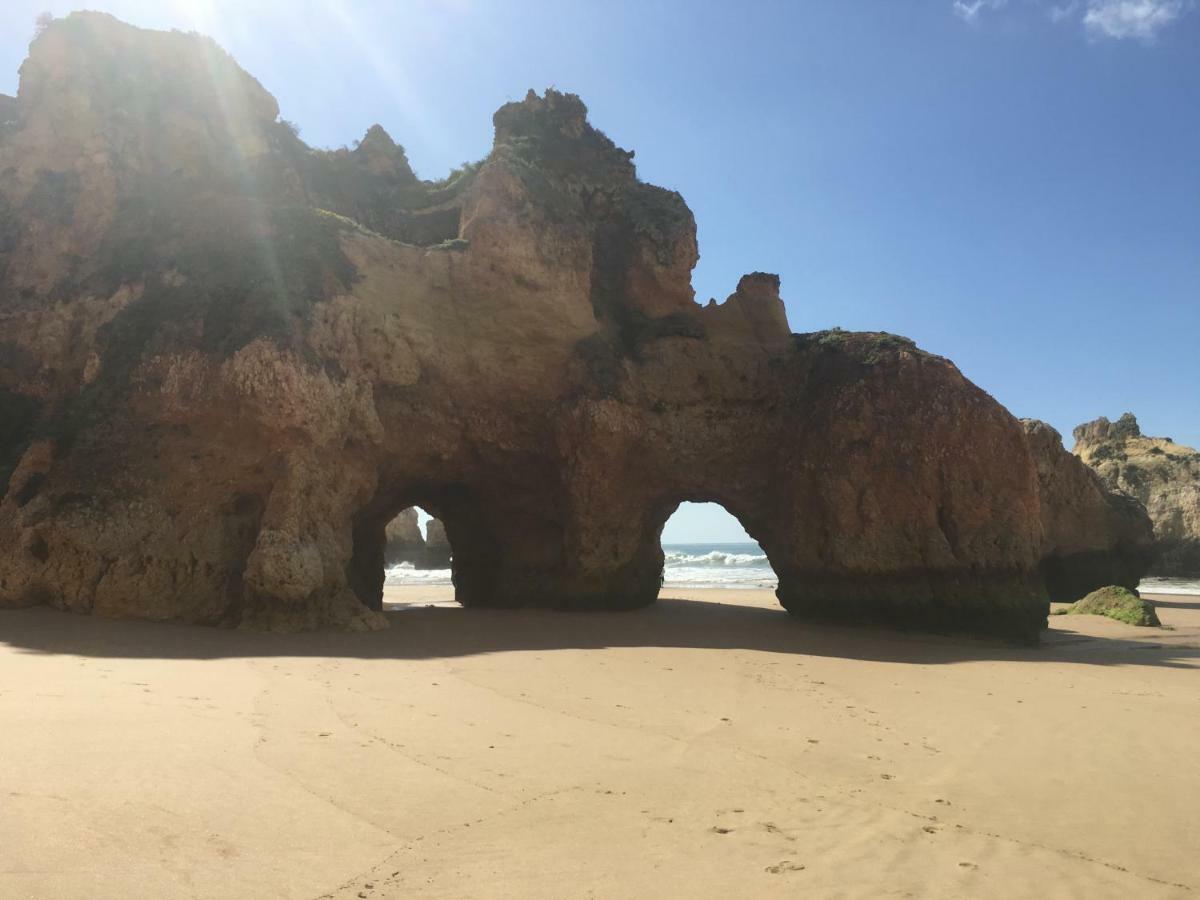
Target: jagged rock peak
(1102, 429)
(756, 285)
(1163, 475)
(552, 113)
(383, 157)
(553, 131)
(377, 136)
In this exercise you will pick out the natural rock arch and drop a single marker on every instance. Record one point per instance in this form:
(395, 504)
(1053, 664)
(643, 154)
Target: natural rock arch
(228, 359)
(672, 508)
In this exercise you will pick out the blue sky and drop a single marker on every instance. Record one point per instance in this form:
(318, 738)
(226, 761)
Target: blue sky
(1015, 184)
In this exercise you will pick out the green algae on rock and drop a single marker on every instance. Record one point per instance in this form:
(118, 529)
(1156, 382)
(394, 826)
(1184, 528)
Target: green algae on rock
(1117, 603)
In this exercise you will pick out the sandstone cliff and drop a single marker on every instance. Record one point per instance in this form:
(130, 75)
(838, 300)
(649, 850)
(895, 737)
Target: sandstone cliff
(405, 543)
(228, 360)
(1090, 532)
(1163, 475)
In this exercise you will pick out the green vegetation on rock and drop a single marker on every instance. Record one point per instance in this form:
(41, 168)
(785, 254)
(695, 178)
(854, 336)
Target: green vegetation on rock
(870, 347)
(1117, 603)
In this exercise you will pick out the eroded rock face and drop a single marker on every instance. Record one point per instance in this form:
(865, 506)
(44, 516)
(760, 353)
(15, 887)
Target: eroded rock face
(229, 360)
(1163, 475)
(1092, 534)
(404, 542)
(437, 545)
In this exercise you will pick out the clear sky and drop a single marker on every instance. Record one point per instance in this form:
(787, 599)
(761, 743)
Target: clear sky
(1015, 184)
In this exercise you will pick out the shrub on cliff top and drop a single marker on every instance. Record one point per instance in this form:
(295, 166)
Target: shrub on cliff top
(1117, 603)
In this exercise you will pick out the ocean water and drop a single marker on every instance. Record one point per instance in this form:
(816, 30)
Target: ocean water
(687, 565)
(1187, 586)
(742, 565)
(717, 566)
(406, 573)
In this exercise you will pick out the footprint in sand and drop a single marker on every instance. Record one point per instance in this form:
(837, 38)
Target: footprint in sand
(784, 867)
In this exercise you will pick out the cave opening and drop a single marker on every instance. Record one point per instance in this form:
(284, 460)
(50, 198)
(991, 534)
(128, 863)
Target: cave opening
(399, 545)
(705, 546)
(416, 553)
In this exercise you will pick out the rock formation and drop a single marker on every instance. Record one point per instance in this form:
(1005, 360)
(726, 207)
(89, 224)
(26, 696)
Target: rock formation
(403, 539)
(437, 546)
(228, 360)
(405, 543)
(1089, 531)
(1117, 603)
(1163, 475)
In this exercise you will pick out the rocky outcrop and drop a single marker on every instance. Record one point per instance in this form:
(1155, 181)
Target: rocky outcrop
(1163, 475)
(405, 543)
(1117, 603)
(437, 546)
(228, 360)
(403, 540)
(1091, 533)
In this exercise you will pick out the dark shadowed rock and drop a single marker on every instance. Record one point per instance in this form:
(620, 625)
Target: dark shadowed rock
(404, 540)
(1094, 536)
(1163, 475)
(234, 359)
(437, 545)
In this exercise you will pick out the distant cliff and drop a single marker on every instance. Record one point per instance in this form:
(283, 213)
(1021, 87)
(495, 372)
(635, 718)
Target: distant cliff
(405, 544)
(1163, 475)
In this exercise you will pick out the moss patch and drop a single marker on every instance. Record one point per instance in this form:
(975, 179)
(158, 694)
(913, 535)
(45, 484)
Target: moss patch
(1117, 603)
(870, 347)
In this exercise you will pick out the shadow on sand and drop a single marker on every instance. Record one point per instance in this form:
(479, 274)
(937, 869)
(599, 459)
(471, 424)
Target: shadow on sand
(428, 632)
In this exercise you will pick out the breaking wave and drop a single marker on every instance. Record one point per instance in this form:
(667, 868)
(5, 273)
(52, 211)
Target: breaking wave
(730, 566)
(717, 566)
(686, 565)
(1186, 586)
(407, 573)
(716, 558)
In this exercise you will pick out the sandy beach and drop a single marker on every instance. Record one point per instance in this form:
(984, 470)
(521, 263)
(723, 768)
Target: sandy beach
(706, 747)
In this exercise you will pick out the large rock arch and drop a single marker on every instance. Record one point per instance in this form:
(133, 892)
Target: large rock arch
(229, 359)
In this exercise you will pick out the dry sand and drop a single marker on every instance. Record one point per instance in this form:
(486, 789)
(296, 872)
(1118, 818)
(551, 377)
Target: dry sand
(707, 747)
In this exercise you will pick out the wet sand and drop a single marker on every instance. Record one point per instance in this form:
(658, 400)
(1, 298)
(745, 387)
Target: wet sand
(706, 747)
